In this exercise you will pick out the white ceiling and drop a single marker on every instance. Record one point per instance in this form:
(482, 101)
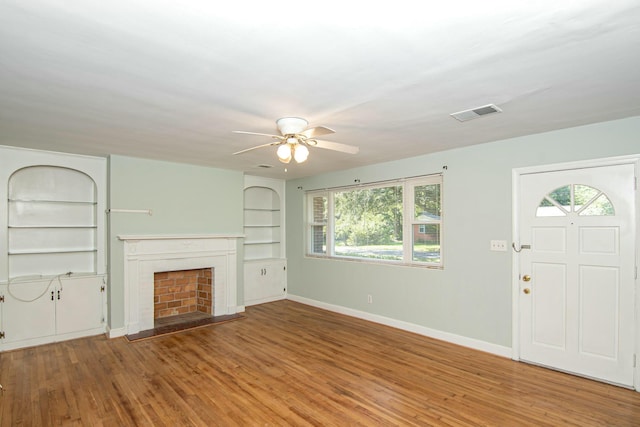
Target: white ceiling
(171, 80)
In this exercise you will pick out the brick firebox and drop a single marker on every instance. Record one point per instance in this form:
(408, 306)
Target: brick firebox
(181, 292)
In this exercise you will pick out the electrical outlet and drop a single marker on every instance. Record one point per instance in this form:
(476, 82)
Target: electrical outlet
(369, 299)
(499, 245)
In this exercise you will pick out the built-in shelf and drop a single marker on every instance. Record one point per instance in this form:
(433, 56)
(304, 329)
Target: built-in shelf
(266, 242)
(36, 227)
(262, 223)
(51, 228)
(61, 251)
(72, 202)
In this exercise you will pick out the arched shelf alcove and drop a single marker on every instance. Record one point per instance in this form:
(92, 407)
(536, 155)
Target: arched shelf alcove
(262, 223)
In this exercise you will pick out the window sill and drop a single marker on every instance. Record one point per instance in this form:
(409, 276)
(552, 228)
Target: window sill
(376, 262)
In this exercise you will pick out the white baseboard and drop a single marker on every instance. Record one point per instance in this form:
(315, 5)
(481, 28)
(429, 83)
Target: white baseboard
(410, 327)
(116, 332)
(264, 300)
(32, 342)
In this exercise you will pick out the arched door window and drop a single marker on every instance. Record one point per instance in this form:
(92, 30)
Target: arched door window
(52, 222)
(576, 199)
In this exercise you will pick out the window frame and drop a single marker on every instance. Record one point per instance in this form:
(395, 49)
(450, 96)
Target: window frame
(408, 221)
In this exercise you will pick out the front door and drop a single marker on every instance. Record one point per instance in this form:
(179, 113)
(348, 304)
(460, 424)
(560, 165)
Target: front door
(576, 288)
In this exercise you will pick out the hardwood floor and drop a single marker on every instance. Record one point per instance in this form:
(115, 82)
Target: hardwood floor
(290, 364)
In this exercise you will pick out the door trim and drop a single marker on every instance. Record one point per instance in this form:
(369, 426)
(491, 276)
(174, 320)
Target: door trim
(515, 232)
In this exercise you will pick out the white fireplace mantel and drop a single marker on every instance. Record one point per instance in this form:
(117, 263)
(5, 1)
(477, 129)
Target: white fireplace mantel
(145, 255)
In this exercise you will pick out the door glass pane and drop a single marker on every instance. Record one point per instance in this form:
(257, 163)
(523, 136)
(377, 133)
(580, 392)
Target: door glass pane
(583, 199)
(601, 206)
(546, 208)
(582, 194)
(562, 196)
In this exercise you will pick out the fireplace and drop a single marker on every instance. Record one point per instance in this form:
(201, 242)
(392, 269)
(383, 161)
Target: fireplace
(184, 293)
(144, 256)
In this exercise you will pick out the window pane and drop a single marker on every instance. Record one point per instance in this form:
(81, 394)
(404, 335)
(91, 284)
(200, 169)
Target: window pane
(368, 223)
(318, 227)
(319, 209)
(319, 239)
(427, 202)
(426, 243)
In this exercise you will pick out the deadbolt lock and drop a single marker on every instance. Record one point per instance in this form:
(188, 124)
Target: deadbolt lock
(526, 278)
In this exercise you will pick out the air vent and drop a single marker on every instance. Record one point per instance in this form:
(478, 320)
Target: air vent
(263, 166)
(474, 113)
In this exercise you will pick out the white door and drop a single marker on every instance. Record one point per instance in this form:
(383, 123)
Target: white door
(576, 296)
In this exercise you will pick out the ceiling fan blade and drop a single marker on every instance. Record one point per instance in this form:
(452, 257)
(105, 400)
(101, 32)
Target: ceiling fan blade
(317, 131)
(336, 146)
(259, 146)
(259, 134)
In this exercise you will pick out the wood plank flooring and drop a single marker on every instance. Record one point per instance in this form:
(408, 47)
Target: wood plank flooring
(290, 364)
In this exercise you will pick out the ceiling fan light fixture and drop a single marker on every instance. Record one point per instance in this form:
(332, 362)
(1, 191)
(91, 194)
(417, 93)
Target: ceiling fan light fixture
(284, 153)
(291, 125)
(295, 139)
(300, 153)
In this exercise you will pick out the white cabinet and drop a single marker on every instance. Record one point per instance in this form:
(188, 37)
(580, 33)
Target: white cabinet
(53, 224)
(264, 243)
(265, 281)
(49, 310)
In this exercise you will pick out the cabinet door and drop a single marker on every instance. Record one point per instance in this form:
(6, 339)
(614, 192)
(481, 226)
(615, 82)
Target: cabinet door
(79, 306)
(274, 279)
(28, 310)
(264, 281)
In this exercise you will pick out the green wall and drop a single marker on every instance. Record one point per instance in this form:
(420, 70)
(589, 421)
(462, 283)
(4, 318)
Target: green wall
(471, 296)
(185, 199)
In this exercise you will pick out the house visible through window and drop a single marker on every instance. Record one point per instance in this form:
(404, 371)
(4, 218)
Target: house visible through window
(396, 221)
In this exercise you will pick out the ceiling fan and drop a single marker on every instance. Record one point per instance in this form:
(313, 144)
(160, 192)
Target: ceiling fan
(295, 139)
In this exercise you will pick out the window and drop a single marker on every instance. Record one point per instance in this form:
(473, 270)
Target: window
(575, 198)
(397, 222)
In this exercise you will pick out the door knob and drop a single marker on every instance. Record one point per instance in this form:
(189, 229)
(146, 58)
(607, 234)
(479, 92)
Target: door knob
(526, 278)
(527, 291)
